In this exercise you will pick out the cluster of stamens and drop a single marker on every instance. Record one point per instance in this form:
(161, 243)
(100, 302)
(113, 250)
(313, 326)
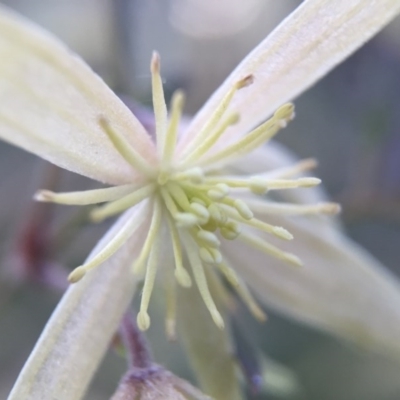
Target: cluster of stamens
(197, 205)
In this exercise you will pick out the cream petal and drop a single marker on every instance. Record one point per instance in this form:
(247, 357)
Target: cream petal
(209, 349)
(51, 102)
(78, 333)
(311, 41)
(340, 288)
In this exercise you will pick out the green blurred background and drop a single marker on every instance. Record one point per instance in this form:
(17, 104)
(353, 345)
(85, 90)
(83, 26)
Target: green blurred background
(350, 122)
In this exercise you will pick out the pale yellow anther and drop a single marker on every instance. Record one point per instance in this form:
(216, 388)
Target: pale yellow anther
(216, 255)
(208, 238)
(231, 230)
(143, 320)
(218, 192)
(183, 277)
(77, 274)
(198, 201)
(243, 209)
(186, 220)
(200, 211)
(215, 213)
(181, 274)
(282, 233)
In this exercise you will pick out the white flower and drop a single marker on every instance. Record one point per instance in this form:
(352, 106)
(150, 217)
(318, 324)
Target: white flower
(185, 194)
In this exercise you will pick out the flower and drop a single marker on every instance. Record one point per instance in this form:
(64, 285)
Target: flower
(194, 197)
(72, 119)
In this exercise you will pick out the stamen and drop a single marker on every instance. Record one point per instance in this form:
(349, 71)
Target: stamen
(292, 170)
(262, 245)
(210, 255)
(126, 149)
(151, 237)
(242, 291)
(181, 275)
(179, 195)
(143, 319)
(173, 127)
(217, 115)
(195, 175)
(112, 246)
(208, 238)
(255, 138)
(159, 106)
(262, 226)
(279, 184)
(264, 207)
(210, 140)
(218, 191)
(85, 197)
(122, 204)
(170, 308)
(201, 281)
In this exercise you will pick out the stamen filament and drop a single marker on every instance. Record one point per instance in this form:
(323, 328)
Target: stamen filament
(217, 115)
(150, 239)
(210, 140)
(181, 275)
(255, 138)
(122, 204)
(170, 308)
(291, 170)
(112, 246)
(265, 247)
(242, 291)
(263, 207)
(159, 106)
(173, 127)
(143, 319)
(201, 281)
(85, 197)
(278, 231)
(126, 149)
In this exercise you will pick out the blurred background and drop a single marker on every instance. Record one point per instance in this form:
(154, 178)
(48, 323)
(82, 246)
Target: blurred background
(350, 122)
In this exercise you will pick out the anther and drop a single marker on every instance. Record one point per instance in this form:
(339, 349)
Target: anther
(209, 238)
(200, 211)
(77, 274)
(143, 320)
(243, 209)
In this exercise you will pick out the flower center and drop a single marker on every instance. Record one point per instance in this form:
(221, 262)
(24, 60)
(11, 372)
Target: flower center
(199, 205)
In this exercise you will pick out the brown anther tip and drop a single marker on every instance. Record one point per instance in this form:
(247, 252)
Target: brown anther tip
(102, 121)
(155, 63)
(246, 81)
(310, 163)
